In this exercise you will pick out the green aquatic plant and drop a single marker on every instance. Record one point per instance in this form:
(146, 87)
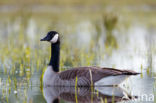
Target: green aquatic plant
(110, 22)
(105, 100)
(141, 71)
(76, 89)
(154, 90)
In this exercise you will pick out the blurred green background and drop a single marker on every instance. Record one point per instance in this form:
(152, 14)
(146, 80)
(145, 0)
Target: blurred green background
(112, 33)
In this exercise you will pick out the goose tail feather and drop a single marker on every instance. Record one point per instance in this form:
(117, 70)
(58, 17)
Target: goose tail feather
(128, 72)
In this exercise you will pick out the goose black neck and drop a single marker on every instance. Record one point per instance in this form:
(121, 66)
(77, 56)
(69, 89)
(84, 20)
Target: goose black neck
(55, 56)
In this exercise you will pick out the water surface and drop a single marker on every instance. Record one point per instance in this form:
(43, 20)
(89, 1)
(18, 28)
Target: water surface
(122, 39)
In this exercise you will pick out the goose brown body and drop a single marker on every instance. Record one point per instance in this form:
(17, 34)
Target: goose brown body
(86, 76)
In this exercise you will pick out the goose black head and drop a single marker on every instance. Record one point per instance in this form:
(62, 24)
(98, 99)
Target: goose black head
(52, 37)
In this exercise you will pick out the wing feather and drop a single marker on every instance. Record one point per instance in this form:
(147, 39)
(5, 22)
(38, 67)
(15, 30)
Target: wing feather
(84, 77)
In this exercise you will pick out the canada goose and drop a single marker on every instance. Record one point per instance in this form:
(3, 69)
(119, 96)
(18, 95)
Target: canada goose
(86, 76)
(85, 94)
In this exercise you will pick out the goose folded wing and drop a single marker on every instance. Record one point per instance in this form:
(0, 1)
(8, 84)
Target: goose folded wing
(88, 74)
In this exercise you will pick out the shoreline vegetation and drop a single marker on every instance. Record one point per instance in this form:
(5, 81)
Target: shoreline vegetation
(60, 6)
(79, 2)
(39, 8)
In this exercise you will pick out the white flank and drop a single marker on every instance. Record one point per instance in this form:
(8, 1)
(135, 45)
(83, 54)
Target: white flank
(49, 76)
(54, 39)
(111, 80)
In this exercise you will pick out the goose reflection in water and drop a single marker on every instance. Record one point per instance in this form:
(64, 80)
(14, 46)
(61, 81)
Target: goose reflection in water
(85, 94)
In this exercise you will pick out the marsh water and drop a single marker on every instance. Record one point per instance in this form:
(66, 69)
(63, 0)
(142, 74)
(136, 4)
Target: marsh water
(125, 39)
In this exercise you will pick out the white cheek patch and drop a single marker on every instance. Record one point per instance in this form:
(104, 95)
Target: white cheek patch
(54, 39)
